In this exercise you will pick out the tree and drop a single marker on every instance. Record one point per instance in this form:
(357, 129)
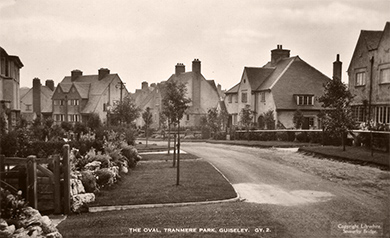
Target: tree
(269, 119)
(125, 112)
(213, 120)
(147, 117)
(175, 103)
(246, 116)
(94, 121)
(298, 119)
(339, 119)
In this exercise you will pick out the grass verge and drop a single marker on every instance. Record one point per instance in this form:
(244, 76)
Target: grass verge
(359, 155)
(155, 182)
(227, 215)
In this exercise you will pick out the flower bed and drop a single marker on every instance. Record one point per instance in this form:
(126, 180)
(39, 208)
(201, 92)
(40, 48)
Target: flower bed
(98, 169)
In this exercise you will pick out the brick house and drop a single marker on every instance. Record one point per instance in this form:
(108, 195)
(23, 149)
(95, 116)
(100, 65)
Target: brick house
(369, 76)
(37, 100)
(78, 96)
(204, 94)
(283, 85)
(10, 66)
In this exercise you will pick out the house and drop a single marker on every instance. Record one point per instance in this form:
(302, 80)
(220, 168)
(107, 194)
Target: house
(10, 66)
(79, 96)
(204, 95)
(36, 101)
(282, 86)
(148, 97)
(369, 76)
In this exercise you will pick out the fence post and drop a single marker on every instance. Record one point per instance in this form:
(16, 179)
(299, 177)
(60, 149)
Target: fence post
(57, 184)
(2, 168)
(22, 181)
(32, 193)
(66, 168)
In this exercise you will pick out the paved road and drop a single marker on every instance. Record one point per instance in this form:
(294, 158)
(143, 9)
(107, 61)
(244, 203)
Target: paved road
(300, 201)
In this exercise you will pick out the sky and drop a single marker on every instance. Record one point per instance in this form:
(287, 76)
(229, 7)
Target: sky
(143, 40)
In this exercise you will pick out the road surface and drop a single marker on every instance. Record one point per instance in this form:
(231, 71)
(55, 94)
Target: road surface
(302, 202)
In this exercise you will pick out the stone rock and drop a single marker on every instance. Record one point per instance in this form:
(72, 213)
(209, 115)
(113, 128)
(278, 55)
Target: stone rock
(5, 230)
(94, 165)
(47, 225)
(80, 200)
(55, 234)
(76, 187)
(89, 181)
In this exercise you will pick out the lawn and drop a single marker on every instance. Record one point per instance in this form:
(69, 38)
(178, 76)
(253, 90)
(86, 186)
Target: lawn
(262, 144)
(355, 154)
(224, 215)
(154, 182)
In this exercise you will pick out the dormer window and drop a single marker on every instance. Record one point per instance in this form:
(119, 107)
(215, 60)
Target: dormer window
(305, 99)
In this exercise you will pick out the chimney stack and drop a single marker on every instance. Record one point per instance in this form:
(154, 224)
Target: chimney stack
(50, 84)
(278, 54)
(75, 74)
(103, 72)
(337, 65)
(145, 85)
(37, 96)
(180, 68)
(196, 66)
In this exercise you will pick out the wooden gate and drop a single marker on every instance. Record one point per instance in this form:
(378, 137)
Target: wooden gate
(42, 188)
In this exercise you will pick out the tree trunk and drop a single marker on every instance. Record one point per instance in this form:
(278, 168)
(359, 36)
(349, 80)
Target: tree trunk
(343, 140)
(169, 137)
(178, 154)
(146, 134)
(174, 150)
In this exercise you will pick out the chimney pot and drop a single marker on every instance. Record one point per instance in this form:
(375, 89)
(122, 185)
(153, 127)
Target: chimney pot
(36, 96)
(50, 84)
(103, 72)
(180, 68)
(278, 54)
(145, 85)
(196, 66)
(75, 74)
(337, 67)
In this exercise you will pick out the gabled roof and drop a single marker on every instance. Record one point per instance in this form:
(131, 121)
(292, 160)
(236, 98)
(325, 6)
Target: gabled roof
(83, 89)
(256, 76)
(212, 84)
(372, 38)
(298, 77)
(233, 90)
(277, 72)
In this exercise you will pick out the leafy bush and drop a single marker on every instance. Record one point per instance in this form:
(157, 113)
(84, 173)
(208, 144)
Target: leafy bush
(301, 136)
(11, 204)
(314, 137)
(282, 136)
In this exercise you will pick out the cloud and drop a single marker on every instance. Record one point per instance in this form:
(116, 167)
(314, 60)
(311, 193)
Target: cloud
(6, 3)
(244, 35)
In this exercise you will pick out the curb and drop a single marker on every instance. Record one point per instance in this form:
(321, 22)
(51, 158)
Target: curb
(128, 207)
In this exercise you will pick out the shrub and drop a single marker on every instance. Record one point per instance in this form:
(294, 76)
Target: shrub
(291, 135)
(220, 136)
(9, 144)
(282, 136)
(301, 136)
(315, 137)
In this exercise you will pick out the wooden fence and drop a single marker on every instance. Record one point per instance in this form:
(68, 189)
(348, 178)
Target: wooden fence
(37, 182)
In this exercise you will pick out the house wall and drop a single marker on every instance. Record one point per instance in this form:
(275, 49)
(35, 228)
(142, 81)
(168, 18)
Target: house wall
(232, 107)
(286, 118)
(244, 88)
(381, 91)
(209, 97)
(263, 107)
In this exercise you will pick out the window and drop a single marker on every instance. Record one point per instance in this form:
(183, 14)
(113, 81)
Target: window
(359, 113)
(360, 79)
(305, 100)
(104, 107)
(28, 107)
(235, 98)
(385, 75)
(188, 117)
(230, 98)
(59, 117)
(244, 97)
(59, 102)
(73, 118)
(263, 96)
(382, 115)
